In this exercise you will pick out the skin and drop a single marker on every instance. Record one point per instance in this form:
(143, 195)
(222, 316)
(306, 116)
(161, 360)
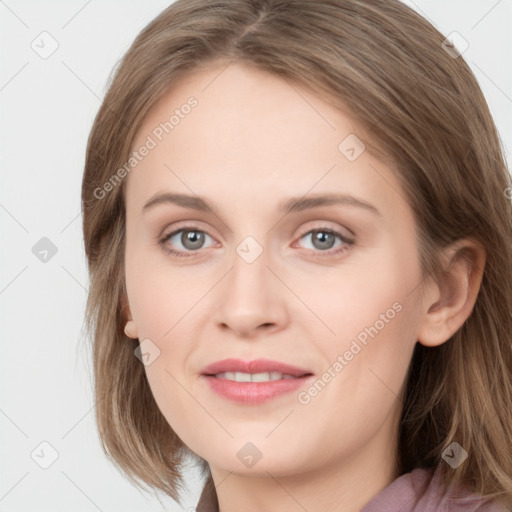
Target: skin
(251, 142)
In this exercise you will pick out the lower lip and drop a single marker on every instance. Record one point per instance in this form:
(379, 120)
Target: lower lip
(254, 392)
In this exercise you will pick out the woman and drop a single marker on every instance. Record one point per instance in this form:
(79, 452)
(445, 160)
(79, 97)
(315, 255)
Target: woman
(300, 247)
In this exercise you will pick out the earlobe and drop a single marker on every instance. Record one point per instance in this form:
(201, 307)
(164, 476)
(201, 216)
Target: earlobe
(130, 329)
(450, 300)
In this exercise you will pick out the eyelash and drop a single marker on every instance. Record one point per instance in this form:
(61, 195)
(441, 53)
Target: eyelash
(190, 254)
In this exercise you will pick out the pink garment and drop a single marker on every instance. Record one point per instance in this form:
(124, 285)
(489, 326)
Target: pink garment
(417, 491)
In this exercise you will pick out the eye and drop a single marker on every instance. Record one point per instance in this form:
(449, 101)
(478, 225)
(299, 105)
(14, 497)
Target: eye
(190, 238)
(324, 239)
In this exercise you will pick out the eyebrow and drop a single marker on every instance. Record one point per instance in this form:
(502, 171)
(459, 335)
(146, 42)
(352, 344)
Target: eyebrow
(290, 205)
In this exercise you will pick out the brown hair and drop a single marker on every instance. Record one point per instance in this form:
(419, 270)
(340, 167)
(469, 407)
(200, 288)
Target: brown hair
(422, 110)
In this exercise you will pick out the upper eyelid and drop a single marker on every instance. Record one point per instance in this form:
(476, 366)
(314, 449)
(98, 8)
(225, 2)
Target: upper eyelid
(176, 226)
(191, 226)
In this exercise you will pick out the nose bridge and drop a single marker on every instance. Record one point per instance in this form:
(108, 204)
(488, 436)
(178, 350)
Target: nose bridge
(250, 275)
(249, 296)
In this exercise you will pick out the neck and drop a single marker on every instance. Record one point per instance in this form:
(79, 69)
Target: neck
(346, 485)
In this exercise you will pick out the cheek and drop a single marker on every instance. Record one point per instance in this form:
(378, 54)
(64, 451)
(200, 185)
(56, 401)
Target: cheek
(374, 316)
(163, 302)
(160, 295)
(366, 298)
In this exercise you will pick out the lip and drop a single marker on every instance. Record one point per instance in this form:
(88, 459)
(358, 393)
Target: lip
(254, 366)
(251, 393)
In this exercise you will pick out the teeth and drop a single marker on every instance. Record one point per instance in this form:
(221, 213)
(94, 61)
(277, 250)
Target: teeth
(253, 377)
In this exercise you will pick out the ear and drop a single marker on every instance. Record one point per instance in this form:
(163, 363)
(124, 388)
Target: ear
(125, 308)
(449, 301)
(130, 329)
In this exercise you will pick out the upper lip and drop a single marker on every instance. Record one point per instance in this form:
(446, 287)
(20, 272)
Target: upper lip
(254, 366)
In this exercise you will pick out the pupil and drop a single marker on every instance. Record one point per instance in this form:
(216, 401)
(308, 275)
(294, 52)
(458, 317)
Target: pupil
(320, 237)
(192, 239)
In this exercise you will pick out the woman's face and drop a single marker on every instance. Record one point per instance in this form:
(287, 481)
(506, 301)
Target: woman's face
(329, 287)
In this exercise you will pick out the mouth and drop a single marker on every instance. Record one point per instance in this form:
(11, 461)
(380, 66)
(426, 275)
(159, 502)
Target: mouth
(256, 377)
(253, 382)
(242, 371)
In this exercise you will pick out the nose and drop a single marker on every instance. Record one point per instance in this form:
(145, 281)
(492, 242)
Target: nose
(252, 298)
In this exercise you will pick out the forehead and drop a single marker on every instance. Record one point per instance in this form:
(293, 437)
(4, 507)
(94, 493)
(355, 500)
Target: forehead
(245, 101)
(252, 131)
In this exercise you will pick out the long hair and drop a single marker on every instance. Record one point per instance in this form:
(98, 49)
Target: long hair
(420, 108)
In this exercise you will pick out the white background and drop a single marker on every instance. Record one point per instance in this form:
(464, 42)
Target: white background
(47, 108)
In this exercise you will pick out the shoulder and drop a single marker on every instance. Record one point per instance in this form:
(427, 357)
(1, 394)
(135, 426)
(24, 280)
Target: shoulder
(421, 491)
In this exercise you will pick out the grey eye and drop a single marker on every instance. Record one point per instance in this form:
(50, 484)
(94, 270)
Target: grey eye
(322, 239)
(190, 239)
